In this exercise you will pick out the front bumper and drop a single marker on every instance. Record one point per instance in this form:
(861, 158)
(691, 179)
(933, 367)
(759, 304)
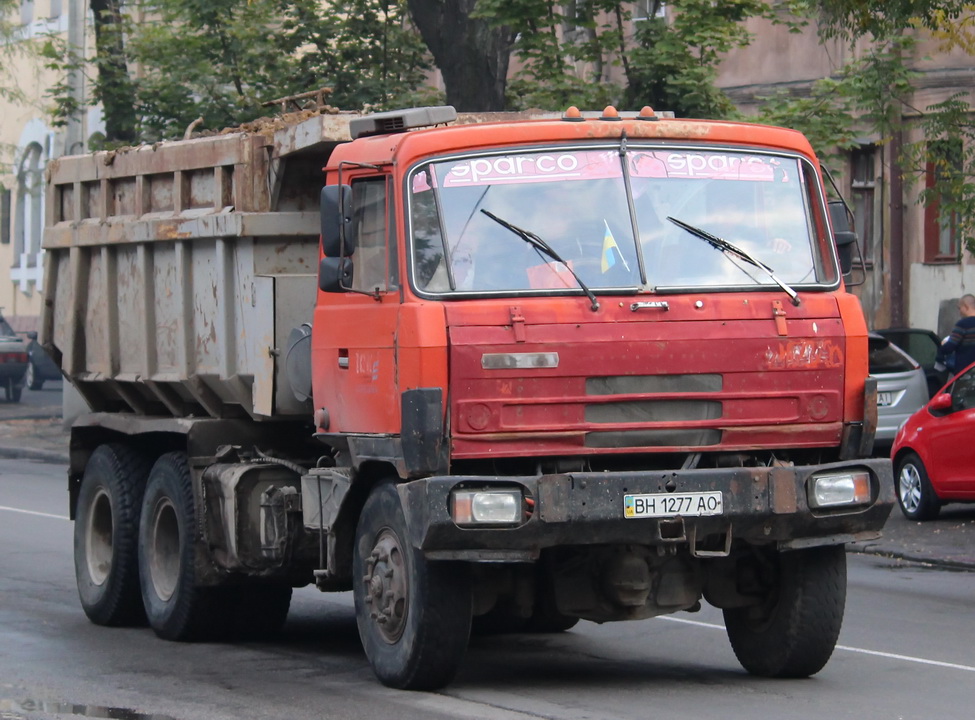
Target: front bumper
(761, 506)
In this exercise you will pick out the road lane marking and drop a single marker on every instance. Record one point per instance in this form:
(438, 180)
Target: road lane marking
(846, 648)
(907, 658)
(32, 512)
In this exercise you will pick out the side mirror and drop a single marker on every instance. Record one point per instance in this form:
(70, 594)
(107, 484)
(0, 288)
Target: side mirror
(940, 402)
(338, 226)
(334, 274)
(32, 335)
(844, 235)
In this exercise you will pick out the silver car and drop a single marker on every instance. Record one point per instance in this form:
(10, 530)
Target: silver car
(901, 386)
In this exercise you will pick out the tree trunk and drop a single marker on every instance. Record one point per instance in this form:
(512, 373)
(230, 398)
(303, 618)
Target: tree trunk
(113, 86)
(471, 54)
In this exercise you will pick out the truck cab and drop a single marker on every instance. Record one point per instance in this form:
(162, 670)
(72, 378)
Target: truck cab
(613, 356)
(588, 292)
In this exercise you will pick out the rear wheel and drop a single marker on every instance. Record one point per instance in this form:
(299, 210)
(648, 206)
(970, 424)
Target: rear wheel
(414, 616)
(31, 379)
(793, 632)
(13, 390)
(177, 609)
(106, 536)
(915, 495)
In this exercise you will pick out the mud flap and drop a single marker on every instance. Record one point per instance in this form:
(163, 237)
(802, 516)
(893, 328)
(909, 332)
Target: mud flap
(422, 435)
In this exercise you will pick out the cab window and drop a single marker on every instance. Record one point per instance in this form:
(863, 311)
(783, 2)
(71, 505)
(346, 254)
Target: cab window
(371, 258)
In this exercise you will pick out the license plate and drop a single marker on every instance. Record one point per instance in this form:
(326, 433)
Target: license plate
(695, 504)
(885, 398)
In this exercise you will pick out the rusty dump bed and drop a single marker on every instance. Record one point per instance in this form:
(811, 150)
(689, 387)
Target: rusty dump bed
(176, 271)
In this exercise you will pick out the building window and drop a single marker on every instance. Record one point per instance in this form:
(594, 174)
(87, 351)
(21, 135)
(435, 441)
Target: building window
(27, 267)
(371, 255)
(863, 161)
(941, 232)
(647, 9)
(26, 12)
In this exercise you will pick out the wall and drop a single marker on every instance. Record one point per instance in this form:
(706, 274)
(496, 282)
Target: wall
(27, 141)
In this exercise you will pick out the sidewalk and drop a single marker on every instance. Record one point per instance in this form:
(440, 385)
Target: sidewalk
(37, 433)
(33, 433)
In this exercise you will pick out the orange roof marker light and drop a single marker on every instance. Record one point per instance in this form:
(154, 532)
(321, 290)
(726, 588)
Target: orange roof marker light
(610, 113)
(647, 113)
(573, 114)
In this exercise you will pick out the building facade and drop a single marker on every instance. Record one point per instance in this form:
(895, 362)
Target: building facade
(28, 141)
(914, 265)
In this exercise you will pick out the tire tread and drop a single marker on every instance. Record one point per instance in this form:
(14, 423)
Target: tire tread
(124, 472)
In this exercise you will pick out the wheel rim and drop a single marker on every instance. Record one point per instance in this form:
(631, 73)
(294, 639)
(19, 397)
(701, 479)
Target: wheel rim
(910, 487)
(164, 549)
(387, 586)
(99, 548)
(29, 380)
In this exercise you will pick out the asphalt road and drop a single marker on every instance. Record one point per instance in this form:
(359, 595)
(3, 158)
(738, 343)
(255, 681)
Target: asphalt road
(33, 403)
(905, 652)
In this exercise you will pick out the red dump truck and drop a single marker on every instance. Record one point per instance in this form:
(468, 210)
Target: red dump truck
(484, 372)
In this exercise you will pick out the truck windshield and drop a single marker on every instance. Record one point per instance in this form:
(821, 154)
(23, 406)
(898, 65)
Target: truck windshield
(605, 213)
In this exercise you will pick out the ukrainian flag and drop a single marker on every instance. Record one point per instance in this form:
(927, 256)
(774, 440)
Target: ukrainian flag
(610, 251)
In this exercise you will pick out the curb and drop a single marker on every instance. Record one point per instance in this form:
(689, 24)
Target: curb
(945, 563)
(53, 457)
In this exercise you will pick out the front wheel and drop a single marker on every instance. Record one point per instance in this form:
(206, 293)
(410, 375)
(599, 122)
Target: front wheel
(414, 616)
(793, 632)
(915, 496)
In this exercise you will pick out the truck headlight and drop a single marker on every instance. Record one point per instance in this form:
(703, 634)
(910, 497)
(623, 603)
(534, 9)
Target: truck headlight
(486, 506)
(838, 489)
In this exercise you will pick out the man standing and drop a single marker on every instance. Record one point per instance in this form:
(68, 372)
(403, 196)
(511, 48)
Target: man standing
(961, 342)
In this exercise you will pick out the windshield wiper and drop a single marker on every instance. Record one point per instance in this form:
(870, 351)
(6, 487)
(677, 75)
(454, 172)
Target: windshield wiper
(727, 247)
(542, 246)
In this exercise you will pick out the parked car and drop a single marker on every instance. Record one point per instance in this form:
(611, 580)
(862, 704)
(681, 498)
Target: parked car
(933, 453)
(40, 367)
(902, 387)
(13, 362)
(922, 345)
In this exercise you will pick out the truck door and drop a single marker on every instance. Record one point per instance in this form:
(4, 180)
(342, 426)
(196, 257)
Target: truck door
(353, 336)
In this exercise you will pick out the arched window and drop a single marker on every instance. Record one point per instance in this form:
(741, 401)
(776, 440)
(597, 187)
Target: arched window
(29, 216)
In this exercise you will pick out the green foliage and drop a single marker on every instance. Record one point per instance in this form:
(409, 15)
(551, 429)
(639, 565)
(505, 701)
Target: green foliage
(206, 58)
(879, 86)
(365, 50)
(824, 116)
(668, 62)
(853, 19)
(222, 60)
(57, 56)
(564, 49)
(674, 65)
(869, 92)
(10, 48)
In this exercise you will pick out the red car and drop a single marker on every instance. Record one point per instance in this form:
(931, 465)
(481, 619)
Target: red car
(934, 451)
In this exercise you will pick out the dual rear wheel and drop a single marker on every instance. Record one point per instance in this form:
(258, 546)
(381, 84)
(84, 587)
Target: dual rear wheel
(135, 554)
